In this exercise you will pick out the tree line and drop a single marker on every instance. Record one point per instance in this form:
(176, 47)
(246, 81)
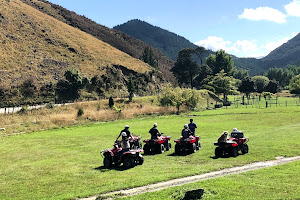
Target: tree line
(219, 75)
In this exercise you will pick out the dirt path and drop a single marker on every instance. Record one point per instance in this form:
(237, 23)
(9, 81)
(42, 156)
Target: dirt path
(192, 179)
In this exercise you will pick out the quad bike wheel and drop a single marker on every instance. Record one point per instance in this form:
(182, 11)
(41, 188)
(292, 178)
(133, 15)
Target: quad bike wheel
(218, 152)
(177, 149)
(140, 160)
(107, 162)
(146, 149)
(160, 148)
(198, 146)
(168, 146)
(245, 149)
(234, 152)
(192, 148)
(128, 162)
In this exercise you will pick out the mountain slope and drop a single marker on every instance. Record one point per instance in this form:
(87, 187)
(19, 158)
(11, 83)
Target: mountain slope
(286, 54)
(117, 39)
(39, 47)
(169, 43)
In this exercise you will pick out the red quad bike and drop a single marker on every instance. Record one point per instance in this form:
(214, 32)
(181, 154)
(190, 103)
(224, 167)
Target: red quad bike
(190, 145)
(129, 158)
(233, 145)
(158, 145)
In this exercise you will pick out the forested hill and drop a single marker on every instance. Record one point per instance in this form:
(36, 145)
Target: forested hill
(286, 54)
(115, 38)
(169, 43)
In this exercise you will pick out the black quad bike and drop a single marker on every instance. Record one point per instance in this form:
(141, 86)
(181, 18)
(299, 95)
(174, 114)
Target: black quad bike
(187, 145)
(237, 142)
(116, 156)
(158, 145)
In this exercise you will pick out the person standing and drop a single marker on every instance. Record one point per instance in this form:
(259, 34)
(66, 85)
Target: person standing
(192, 126)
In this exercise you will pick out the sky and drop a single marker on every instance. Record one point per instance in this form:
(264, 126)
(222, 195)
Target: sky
(244, 28)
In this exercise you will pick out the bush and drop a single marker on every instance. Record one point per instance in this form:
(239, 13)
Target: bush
(111, 102)
(80, 112)
(50, 105)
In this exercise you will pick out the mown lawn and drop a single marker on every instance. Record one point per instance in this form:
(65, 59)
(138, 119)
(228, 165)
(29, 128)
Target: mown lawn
(65, 163)
(280, 182)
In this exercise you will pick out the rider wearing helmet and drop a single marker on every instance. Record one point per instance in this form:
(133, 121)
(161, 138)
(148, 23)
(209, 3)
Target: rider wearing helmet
(186, 132)
(125, 136)
(154, 131)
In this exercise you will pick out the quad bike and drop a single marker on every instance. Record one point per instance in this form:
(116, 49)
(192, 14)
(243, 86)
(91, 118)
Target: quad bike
(190, 144)
(237, 142)
(116, 156)
(158, 145)
(134, 141)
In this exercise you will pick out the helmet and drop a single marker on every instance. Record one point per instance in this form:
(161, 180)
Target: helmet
(234, 129)
(155, 124)
(126, 126)
(185, 126)
(124, 134)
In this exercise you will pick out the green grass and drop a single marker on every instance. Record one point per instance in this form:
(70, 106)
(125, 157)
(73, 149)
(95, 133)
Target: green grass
(279, 182)
(65, 163)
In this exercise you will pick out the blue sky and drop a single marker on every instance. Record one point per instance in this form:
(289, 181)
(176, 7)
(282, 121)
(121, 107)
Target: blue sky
(245, 28)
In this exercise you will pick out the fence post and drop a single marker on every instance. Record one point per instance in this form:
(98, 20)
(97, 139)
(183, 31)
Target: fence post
(266, 104)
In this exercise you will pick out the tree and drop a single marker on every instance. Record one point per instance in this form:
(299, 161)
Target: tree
(295, 85)
(222, 84)
(247, 86)
(272, 87)
(204, 72)
(28, 89)
(68, 89)
(220, 61)
(111, 102)
(185, 69)
(199, 51)
(131, 87)
(148, 57)
(240, 73)
(260, 83)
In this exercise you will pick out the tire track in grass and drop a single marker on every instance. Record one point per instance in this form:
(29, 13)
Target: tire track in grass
(192, 179)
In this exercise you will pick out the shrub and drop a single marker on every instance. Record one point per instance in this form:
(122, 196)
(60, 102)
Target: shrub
(80, 112)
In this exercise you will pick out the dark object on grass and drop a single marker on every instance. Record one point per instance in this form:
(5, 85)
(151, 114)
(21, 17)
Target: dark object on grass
(193, 194)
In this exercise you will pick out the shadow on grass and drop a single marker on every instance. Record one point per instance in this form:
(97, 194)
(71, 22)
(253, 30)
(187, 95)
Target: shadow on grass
(114, 167)
(224, 156)
(181, 154)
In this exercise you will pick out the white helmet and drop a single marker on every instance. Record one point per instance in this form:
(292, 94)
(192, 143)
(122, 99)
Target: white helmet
(185, 126)
(124, 134)
(126, 126)
(155, 124)
(234, 129)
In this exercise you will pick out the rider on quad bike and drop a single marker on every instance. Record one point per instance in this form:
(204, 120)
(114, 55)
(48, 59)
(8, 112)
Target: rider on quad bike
(154, 131)
(157, 143)
(187, 142)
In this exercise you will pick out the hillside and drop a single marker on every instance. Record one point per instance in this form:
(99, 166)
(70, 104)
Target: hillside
(38, 47)
(286, 54)
(117, 39)
(169, 43)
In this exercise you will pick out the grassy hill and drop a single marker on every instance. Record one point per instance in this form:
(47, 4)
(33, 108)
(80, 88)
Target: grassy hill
(39, 47)
(117, 39)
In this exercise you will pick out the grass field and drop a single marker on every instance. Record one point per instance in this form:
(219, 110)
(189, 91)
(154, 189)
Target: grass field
(280, 182)
(65, 163)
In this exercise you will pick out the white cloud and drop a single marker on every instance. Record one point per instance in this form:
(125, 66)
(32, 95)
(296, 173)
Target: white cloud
(263, 13)
(293, 8)
(214, 43)
(242, 48)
